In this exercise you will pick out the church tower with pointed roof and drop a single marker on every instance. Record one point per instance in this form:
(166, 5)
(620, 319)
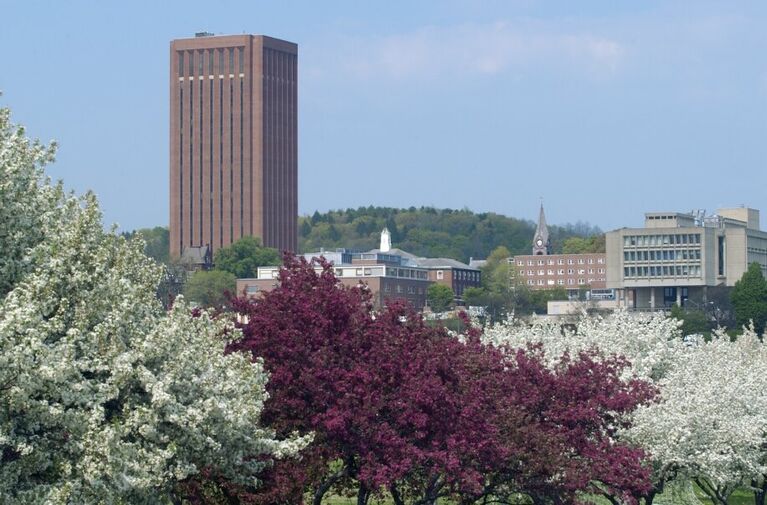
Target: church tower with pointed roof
(541, 241)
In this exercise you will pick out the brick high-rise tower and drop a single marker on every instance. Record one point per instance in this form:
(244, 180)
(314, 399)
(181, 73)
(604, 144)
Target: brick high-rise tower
(233, 141)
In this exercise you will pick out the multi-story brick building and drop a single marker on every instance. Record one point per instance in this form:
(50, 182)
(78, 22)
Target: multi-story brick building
(386, 276)
(573, 272)
(389, 273)
(446, 271)
(576, 273)
(233, 141)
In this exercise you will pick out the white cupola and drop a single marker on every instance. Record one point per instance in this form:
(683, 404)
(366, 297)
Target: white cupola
(385, 241)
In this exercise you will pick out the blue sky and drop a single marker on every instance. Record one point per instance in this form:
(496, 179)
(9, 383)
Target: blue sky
(604, 109)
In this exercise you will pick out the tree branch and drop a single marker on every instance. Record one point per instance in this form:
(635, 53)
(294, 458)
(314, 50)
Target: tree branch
(325, 486)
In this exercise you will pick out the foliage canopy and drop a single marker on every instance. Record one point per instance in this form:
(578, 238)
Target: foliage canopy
(243, 257)
(749, 298)
(428, 232)
(439, 297)
(401, 407)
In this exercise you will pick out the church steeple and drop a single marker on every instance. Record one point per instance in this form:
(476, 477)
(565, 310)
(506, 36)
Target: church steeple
(541, 242)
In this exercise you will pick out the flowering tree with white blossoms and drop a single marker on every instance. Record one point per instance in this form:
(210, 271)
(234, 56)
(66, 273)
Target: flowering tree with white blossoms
(105, 398)
(650, 341)
(710, 420)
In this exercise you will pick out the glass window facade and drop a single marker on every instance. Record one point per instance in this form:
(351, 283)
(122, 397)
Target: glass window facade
(662, 255)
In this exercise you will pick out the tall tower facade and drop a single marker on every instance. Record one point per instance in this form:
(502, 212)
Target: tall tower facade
(541, 240)
(233, 141)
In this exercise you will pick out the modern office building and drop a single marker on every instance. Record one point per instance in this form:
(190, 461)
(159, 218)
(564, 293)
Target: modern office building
(233, 141)
(678, 257)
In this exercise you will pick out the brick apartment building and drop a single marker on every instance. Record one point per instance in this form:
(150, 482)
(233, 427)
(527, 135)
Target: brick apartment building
(576, 273)
(388, 272)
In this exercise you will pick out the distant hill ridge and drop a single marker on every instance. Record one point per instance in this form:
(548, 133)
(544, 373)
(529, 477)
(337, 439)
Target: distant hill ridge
(430, 232)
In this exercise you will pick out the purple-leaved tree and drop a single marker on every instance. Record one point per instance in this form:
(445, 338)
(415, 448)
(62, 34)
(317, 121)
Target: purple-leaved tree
(403, 408)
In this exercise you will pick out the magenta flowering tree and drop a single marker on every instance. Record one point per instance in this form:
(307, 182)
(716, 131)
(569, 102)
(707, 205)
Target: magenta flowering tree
(400, 407)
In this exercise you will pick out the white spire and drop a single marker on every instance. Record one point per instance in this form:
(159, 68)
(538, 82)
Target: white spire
(385, 240)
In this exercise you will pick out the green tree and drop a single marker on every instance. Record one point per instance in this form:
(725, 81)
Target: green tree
(475, 297)
(156, 242)
(458, 234)
(440, 297)
(497, 284)
(584, 245)
(244, 256)
(693, 320)
(749, 298)
(210, 288)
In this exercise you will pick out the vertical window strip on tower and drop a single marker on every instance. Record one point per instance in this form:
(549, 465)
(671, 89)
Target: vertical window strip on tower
(201, 137)
(191, 150)
(231, 148)
(181, 159)
(267, 134)
(280, 143)
(242, 186)
(221, 153)
(210, 138)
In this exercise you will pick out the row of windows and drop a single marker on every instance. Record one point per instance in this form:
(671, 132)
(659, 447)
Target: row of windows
(662, 255)
(411, 290)
(651, 240)
(463, 275)
(663, 271)
(407, 273)
(360, 272)
(570, 261)
(206, 64)
(561, 271)
(561, 282)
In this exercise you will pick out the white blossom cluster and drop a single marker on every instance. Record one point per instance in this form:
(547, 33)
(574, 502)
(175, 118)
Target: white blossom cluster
(105, 398)
(650, 341)
(709, 421)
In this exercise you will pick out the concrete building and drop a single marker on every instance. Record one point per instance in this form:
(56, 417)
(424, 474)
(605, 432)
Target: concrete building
(677, 257)
(233, 141)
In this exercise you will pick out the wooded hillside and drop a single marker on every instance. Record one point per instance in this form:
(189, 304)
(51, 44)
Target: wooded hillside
(427, 231)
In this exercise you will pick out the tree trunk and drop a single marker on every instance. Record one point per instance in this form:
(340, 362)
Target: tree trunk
(760, 492)
(362, 495)
(325, 486)
(716, 494)
(395, 496)
(650, 497)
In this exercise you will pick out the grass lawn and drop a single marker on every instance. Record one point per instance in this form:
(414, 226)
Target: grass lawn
(740, 497)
